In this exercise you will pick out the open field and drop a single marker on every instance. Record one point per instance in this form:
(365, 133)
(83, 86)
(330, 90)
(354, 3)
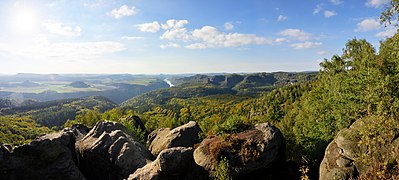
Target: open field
(60, 87)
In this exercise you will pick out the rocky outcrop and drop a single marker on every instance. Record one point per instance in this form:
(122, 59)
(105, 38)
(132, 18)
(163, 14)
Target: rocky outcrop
(182, 136)
(135, 121)
(50, 156)
(108, 151)
(342, 158)
(247, 152)
(340, 155)
(172, 163)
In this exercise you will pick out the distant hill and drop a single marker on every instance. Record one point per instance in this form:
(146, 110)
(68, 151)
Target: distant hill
(247, 83)
(28, 83)
(57, 112)
(11, 103)
(47, 87)
(228, 84)
(121, 93)
(6, 103)
(79, 84)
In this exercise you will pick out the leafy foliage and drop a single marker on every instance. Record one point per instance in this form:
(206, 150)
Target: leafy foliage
(56, 113)
(223, 170)
(19, 130)
(391, 13)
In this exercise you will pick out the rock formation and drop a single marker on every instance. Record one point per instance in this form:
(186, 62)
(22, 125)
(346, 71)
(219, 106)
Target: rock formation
(342, 159)
(108, 151)
(172, 163)
(164, 138)
(246, 152)
(50, 156)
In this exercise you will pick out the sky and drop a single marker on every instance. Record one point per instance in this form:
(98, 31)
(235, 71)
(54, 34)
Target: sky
(181, 36)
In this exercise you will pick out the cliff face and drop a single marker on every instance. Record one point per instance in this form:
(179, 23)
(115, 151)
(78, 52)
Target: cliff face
(110, 151)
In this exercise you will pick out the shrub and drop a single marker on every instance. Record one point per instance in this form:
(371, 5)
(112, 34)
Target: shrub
(223, 170)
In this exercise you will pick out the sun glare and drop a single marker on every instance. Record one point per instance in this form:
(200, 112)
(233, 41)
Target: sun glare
(25, 20)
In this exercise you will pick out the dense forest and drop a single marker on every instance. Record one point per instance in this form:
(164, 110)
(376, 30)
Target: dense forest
(53, 114)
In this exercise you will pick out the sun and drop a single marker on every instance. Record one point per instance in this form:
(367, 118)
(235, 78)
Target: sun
(25, 20)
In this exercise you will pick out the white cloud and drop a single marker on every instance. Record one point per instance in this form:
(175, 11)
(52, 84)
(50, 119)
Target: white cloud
(175, 30)
(206, 37)
(94, 4)
(149, 27)
(132, 38)
(123, 11)
(377, 3)
(62, 30)
(318, 9)
(228, 26)
(16, 4)
(174, 24)
(281, 40)
(329, 14)
(368, 25)
(336, 2)
(211, 37)
(169, 45)
(306, 45)
(63, 51)
(322, 52)
(282, 18)
(85, 48)
(388, 32)
(296, 34)
(196, 46)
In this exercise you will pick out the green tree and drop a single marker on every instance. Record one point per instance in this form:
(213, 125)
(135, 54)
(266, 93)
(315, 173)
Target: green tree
(391, 13)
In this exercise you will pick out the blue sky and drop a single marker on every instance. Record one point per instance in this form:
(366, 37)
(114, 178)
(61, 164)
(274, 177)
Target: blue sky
(180, 36)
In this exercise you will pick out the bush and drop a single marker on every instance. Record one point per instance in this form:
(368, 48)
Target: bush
(223, 170)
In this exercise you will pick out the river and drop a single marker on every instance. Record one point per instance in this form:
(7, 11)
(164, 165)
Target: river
(167, 81)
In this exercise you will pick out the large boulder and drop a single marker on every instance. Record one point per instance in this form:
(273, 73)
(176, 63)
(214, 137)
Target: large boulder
(340, 155)
(344, 156)
(182, 136)
(51, 156)
(109, 151)
(249, 151)
(172, 163)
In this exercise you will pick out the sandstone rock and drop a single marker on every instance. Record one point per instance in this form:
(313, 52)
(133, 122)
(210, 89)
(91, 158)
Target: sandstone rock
(335, 165)
(135, 121)
(172, 163)
(164, 138)
(175, 161)
(246, 152)
(50, 156)
(149, 172)
(341, 159)
(108, 151)
(4, 149)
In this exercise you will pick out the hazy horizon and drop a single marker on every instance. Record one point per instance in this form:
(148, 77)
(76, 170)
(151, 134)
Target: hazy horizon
(180, 37)
(149, 74)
